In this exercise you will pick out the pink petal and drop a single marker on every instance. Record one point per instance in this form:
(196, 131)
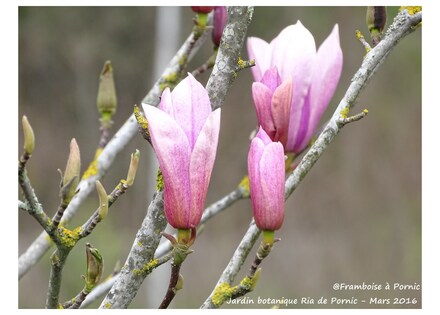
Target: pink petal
(294, 54)
(272, 178)
(191, 107)
(263, 136)
(166, 102)
(255, 152)
(326, 75)
(280, 110)
(259, 50)
(262, 96)
(202, 162)
(173, 152)
(271, 78)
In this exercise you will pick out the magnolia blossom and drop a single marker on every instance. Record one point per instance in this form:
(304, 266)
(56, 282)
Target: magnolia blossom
(184, 132)
(266, 181)
(294, 83)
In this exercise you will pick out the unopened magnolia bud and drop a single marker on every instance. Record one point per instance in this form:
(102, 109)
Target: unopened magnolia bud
(202, 9)
(106, 100)
(29, 137)
(103, 200)
(133, 167)
(219, 23)
(95, 266)
(376, 21)
(71, 173)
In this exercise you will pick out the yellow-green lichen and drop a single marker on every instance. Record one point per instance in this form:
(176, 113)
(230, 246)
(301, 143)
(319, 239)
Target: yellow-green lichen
(244, 186)
(68, 237)
(222, 293)
(344, 112)
(107, 305)
(247, 283)
(169, 80)
(92, 170)
(142, 121)
(146, 269)
(411, 10)
(121, 184)
(159, 181)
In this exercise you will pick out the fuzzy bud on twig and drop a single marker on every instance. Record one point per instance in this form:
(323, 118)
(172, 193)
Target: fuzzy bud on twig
(103, 200)
(133, 167)
(29, 137)
(376, 21)
(106, 100)
(71, 173)
(95, 266)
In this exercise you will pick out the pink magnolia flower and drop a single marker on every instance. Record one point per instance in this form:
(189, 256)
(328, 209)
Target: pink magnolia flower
(266, 181)
(290, 70)
(184, 132)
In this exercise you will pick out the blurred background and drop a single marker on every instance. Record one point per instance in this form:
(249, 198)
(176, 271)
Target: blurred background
(355, 218)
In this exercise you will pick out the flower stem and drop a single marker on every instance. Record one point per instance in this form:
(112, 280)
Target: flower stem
(171, 292)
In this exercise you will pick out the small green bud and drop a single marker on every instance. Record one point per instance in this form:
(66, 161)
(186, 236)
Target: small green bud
(103, 200)
(133, 167)
(71, 173)
(106, 100)
(95, 266)
(376, 21)
(179, 284)
(29, 137)
(255, 279)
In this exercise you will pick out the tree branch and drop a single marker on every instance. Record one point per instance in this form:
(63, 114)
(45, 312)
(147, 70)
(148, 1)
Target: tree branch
(403, 25)
(224, 70)
(142, 251)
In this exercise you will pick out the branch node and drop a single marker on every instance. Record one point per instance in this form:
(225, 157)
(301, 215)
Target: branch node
(343, 119)
(363, 41)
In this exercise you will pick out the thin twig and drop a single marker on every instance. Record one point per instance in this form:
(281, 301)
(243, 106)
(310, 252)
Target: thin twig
(171, 291)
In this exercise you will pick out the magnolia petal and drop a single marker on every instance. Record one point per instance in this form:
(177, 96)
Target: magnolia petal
(263, 136)
(280, 110)
(262, 96)
(191, 107)
(201, 165)
(259, 50)
(166, 102)
(294, 53)
(272, 178)
(254, 156)
(325, 79)
(271, 78)
(173, 152)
